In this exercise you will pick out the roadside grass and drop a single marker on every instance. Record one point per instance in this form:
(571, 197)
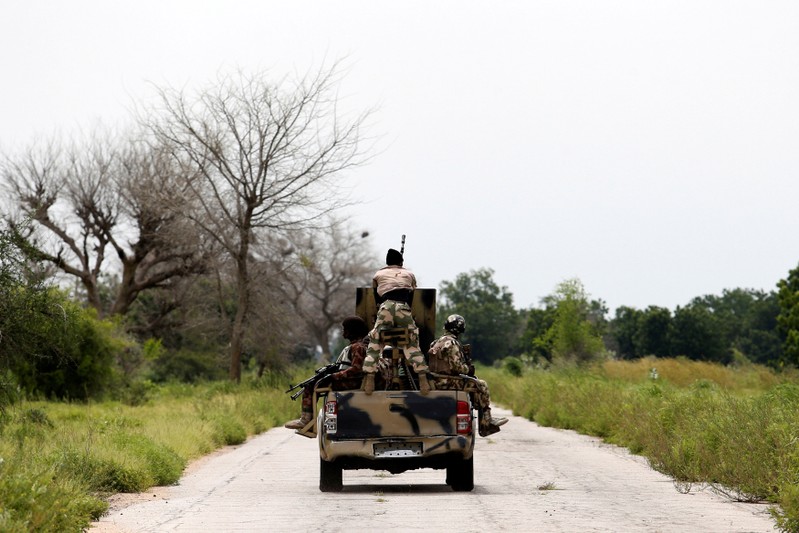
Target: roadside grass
(59, 461)
(734, 430)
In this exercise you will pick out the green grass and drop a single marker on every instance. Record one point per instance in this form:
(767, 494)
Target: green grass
(59, 461)
(734, 430)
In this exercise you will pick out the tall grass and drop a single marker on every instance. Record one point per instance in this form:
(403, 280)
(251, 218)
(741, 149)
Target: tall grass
(58, 461)
(735, 430)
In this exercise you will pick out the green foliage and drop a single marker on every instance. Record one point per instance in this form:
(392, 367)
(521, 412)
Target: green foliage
(51, 346)
(573, 336)
(698, 335)
(539, 321)
(624, 331)
(33, 497)
(788, 318)
(694, 422)
(738, 326)
(75, 357)
(654, 333)
(187, 366)
(492, 323)
(55, 457)
(513, 366)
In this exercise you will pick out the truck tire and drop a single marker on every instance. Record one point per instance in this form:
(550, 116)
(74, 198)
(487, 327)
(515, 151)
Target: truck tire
(460, 475)
(329, 476)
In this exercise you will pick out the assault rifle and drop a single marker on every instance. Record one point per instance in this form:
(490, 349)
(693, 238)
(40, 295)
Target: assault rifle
(467, 357)
(321, 373)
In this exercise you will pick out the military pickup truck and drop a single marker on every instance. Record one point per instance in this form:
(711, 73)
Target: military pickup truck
(396, 429)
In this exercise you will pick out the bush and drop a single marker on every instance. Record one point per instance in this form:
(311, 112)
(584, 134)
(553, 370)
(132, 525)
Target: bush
(188, 367)
(513, 366)
(73, 352)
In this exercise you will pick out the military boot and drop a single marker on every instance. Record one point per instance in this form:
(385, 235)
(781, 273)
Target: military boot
(300, 423)
(489, 425)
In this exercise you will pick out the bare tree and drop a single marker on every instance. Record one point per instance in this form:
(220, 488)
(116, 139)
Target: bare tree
(107, 205)
(266, 157)
(321, 273)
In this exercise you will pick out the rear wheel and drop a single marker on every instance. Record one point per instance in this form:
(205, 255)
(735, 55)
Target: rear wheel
(460, 474)
(329, 476)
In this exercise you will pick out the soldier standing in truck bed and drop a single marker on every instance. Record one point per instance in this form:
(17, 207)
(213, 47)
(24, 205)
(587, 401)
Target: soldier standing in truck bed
(448, 361)
(394, 286)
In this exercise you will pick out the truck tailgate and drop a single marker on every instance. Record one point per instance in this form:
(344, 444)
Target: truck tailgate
(395, 414)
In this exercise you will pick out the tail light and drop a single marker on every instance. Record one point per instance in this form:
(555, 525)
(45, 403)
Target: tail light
(464, 419)
(331, 416)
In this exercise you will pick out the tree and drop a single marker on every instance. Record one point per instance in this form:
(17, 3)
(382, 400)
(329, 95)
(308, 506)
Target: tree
(265, 158)
(575, 335)
(697, 334)
(748, 322)
(654, 332)
(624, 331)
(539, 320)
(788, 318)
(104, 206)
(492, 323)
(320, 273)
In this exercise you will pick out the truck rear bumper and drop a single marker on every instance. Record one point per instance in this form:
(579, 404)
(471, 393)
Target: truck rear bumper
(397, 450)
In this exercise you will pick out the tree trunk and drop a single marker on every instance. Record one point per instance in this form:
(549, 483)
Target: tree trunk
(243, 302)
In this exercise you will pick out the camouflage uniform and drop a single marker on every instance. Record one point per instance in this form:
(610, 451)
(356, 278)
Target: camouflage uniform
(394, 313)
(447, 358)
(348, 379)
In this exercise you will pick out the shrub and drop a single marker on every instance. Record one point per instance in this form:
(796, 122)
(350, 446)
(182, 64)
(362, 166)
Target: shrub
(187, 366)
(513, 366)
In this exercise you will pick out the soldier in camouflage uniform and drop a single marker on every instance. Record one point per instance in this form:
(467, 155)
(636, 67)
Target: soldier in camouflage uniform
(354, 329)
(394, 286)
(448, 360)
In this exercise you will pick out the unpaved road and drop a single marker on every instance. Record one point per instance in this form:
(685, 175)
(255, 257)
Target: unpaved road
(527, 478)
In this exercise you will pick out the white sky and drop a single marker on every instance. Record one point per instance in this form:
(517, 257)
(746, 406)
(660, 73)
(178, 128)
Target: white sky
(649, 148)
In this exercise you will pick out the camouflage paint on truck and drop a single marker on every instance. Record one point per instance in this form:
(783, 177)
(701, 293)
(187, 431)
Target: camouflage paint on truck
(396, 431)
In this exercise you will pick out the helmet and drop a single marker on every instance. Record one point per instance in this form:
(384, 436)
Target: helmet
(455, 324)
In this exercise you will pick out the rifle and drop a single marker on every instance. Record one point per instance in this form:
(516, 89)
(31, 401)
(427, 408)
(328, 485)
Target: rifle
(466, 349)
(402, 248)
(321, 373)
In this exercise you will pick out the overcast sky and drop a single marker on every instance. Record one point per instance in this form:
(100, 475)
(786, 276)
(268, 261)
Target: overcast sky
(648, 148)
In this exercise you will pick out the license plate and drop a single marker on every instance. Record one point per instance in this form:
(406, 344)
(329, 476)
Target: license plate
(398, 449)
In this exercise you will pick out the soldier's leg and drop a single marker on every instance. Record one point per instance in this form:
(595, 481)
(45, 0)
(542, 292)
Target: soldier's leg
(384, 319)
(487, 424)
(404, 318)
(307, 410)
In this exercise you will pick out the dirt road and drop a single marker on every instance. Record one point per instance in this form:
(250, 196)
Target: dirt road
(527, 478)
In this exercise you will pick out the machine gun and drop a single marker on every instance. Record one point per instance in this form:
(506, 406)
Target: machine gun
(321, 373)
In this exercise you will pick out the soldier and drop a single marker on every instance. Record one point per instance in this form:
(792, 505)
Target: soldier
(354, 329)
(447, 357)
(394, 286)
